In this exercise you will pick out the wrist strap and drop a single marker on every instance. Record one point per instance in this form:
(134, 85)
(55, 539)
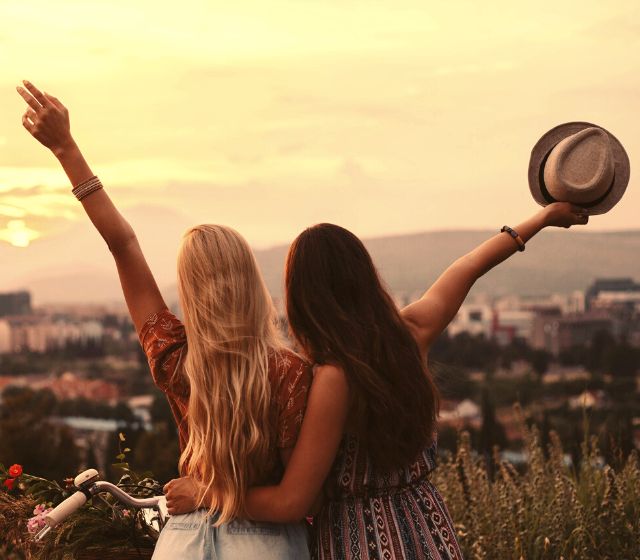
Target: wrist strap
(513, 233)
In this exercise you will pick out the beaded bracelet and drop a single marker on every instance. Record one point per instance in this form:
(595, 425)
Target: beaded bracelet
(513, 233)
(87, 187)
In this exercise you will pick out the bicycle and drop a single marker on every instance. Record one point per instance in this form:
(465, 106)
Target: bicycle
(89, 485)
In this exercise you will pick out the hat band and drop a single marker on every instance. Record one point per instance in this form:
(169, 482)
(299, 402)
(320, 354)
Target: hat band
(547, 196)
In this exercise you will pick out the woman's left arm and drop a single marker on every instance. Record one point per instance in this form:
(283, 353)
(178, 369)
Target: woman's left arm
(47, 120)
(431, 314)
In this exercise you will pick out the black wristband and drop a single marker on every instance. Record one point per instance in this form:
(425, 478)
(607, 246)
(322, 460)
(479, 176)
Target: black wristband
(513, 233)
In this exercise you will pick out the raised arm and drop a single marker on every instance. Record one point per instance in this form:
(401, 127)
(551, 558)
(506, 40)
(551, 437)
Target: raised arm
(431, 314)
(47, 120)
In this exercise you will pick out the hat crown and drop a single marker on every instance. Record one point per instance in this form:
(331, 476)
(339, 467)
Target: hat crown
(580, 168)
(581, 163)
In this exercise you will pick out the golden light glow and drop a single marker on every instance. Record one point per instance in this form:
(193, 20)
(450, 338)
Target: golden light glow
(18, 234)
(382, 116)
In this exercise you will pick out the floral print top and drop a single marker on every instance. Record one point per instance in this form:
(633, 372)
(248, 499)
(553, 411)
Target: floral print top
(164, 342)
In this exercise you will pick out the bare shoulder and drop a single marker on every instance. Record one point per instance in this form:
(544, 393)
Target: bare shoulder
(330, 376)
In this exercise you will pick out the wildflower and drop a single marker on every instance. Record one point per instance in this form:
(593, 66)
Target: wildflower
(34, 524)
(15, 471)
(37, 522)
(9, 483)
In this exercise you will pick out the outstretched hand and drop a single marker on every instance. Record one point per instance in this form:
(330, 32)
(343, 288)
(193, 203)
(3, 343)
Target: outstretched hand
(46, 119)
(565, 214)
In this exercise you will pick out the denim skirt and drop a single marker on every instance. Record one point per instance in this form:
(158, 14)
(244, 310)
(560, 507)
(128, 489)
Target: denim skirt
(192, 536)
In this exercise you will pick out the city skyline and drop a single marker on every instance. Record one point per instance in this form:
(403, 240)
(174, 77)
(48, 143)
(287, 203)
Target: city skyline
(386, 118)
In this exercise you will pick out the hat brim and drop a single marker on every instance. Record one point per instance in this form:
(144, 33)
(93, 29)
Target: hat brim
(543, 148)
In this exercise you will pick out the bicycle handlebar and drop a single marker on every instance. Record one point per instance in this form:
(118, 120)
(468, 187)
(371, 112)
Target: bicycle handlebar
(88, 486)
(65, 509)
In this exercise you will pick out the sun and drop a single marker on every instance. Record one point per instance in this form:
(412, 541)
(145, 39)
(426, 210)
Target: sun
(18, 234)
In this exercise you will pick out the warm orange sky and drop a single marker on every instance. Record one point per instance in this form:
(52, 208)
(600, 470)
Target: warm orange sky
(385, 117)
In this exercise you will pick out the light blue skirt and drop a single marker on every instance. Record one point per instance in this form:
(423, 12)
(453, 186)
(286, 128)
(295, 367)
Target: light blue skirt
(192, 536)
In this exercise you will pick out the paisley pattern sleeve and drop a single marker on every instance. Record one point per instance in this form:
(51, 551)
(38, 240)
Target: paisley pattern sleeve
(164, 343)
(296, 377)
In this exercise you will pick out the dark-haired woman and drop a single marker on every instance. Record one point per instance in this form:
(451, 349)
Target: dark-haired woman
(373, 401)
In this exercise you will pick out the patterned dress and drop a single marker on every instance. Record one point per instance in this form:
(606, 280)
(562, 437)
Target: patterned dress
(372, 515)
(164, 342)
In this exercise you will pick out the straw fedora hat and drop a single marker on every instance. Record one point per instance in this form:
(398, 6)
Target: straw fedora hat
(581, 163)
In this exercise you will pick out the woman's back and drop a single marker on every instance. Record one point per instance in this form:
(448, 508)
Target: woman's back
(371, 513)
(164, 342)
(193, 535)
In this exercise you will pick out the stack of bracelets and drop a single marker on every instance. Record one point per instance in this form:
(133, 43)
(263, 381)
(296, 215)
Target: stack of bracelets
(87, 187)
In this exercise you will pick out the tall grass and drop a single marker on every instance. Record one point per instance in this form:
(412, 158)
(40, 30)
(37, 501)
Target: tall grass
(550, 511)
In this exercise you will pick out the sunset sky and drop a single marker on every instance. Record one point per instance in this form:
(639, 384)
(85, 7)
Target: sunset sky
(385, 117)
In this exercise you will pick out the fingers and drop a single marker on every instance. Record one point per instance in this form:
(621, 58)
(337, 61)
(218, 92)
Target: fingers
(39, 96)
(27, 123)
(55, 101)
(581, 214)
(31, 115)
(167, 487)
(31, 101)
(173, 507)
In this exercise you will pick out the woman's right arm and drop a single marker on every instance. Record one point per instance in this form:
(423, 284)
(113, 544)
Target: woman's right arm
(47, 120)
(305, 473)
(314, 453)
(431, 314)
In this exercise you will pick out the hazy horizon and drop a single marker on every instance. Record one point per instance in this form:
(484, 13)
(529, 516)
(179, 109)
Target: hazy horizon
(557, 260)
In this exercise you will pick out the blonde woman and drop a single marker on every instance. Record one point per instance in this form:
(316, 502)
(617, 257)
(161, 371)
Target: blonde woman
(237, 394)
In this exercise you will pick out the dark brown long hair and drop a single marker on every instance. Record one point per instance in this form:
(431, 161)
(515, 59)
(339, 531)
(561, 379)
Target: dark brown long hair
(340, 313)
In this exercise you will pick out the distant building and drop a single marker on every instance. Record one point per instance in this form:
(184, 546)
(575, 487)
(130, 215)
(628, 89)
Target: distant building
(5, 337)
(141, 405)
(459, 414)
(589, 399)
(614, 288)
(476, 319)
(620, 299)
(511, 324)
(71, 386)
(15, 303)
(36, 333)
(556, 333)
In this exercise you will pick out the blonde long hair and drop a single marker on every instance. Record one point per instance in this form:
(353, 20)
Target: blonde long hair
(230, 325)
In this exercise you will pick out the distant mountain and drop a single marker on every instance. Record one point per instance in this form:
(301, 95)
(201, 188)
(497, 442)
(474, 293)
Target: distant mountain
(554, 261)
(76, 266)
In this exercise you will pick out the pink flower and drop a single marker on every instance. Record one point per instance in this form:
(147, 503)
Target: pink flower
(37, 522)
